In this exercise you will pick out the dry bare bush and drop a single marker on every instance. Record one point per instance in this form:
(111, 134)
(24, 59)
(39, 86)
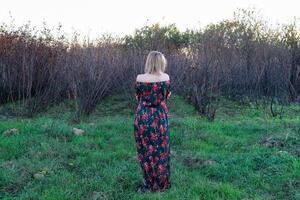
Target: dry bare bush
(32, 68)
(92, 70)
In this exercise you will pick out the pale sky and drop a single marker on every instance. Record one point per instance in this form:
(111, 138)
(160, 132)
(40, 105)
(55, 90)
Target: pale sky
(119, 17)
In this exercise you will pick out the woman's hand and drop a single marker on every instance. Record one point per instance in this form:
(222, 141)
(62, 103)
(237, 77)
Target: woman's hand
(168, 95)
(137, 97)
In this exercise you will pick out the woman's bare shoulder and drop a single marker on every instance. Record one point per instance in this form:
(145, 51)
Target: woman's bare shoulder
(139, 77)
(167, 76)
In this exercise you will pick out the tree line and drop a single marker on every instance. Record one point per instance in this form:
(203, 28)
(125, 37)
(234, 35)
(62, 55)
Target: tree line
(239, 58)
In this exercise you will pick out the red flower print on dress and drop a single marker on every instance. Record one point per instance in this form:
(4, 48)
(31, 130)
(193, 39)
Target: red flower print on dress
(155, 87)
(140, 157)
(146, 139)
(136, 121)
(141, 129)
(153, 174)
(153, 161)
(157, 101)
(163, 156)
(145, 116)
(162, 115)
(163, 104)
(155, 123)
(146, 167)
(164, 144)
(147, 93)
(154, 136)
(162, 129)
(152, 110)
(151, 149)
(160, 169)
(144, 142)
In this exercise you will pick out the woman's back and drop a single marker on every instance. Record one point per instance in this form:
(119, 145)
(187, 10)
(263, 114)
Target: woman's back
(152, 77)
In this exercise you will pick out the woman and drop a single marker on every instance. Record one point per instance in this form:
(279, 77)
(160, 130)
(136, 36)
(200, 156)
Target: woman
(151, 125)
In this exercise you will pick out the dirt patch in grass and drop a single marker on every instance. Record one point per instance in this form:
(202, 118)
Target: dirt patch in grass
(196, 162)
(284, 142)
(271, 141)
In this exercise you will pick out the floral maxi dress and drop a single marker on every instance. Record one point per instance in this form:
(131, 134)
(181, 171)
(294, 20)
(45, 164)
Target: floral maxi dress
(151, 132)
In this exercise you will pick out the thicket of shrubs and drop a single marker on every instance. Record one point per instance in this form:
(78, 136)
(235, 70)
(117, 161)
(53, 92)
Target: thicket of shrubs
(237, 58)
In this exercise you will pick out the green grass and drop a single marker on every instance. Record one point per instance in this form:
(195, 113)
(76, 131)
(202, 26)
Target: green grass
(244, 154)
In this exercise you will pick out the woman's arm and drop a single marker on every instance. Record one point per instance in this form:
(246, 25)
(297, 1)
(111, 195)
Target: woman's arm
(136, 92)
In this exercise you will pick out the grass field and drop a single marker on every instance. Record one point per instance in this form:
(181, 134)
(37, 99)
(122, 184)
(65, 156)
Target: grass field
(244, 154)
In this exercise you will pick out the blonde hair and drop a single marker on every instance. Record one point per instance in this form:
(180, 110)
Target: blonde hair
(155, 61)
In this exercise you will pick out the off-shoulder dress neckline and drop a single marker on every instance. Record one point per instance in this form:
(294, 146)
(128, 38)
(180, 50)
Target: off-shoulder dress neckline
(153, 82)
